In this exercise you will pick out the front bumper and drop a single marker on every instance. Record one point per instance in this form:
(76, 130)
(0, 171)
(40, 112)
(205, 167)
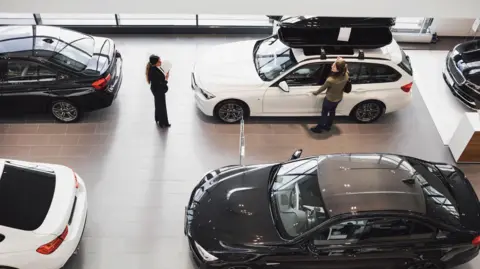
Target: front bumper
(458, 91)
(203, 104)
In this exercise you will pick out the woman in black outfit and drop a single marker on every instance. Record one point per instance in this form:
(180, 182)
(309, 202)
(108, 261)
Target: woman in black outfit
(158, 84)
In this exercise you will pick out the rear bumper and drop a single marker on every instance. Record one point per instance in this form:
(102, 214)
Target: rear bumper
(76, 228)
(56, 260)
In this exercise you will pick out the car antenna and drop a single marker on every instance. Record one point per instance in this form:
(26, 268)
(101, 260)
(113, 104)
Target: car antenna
(242, 141)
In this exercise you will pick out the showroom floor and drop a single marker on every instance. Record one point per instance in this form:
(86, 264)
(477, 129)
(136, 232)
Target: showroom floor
(139, 177)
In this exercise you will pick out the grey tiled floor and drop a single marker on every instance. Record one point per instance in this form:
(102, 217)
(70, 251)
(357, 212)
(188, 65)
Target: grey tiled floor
(139, 177)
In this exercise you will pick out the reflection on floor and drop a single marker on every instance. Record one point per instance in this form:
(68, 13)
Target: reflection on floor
(445, 110)
(139, 177)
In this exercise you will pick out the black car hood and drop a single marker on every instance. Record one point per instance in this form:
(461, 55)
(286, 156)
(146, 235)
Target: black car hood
(467, 55)
(232, 209)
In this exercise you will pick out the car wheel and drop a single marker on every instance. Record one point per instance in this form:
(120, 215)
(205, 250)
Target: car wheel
(231, 111)
(368, 111)
(65, 111)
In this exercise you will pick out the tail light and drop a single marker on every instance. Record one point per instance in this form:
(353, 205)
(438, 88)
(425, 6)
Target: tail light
(76, 180)
(407, 87)
(50, 247)
(476, 241)
(101, 84)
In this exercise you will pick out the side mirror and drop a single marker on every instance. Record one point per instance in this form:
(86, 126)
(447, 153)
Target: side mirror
(297, 154)
(284, 86)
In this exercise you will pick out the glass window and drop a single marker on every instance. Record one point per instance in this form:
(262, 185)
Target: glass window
(78, 19)
(296, 197)
(353, 71)
(309, 74)
(273, 58)
(3, 70)
(376, 73)
(16, 18)
(26, 71)
(405, 64)
(373, 230)
(157, 19)
(345, 231)
(394, 229)
(409, 24)
(233, 20)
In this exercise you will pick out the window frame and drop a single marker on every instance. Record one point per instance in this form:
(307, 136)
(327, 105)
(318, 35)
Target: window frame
(354, 78)
(359, 242)
(35, 80)
(298, 67)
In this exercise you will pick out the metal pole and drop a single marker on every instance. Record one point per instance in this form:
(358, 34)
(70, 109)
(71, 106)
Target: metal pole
(242, 141)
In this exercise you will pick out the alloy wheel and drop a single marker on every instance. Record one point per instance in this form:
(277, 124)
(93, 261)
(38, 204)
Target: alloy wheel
(64, 111)
(230, 112)
(368, 112)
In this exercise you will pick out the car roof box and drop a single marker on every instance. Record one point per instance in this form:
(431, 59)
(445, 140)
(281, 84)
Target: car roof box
(335, 22)
(360, 38)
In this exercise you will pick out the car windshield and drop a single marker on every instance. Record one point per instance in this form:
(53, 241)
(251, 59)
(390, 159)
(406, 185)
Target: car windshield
(273, 58)
(296, 197)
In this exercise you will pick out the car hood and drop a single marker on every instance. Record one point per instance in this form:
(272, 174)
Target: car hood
(233, 209)
(227, 67)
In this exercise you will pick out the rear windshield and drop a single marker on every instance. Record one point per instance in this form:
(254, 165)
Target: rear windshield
(68, 48)
(25, 196)
(100, 62)
(439, 201)
(405, 64)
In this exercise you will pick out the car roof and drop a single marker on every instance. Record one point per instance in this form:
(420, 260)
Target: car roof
(19, 38)
(352, 183)
(391, 52)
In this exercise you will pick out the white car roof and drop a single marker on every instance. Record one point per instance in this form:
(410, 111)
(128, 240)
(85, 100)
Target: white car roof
(391, 52)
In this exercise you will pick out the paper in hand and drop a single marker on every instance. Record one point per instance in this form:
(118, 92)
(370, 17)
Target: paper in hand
(166, 66)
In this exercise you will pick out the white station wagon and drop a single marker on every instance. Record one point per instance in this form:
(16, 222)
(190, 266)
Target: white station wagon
(268, 78)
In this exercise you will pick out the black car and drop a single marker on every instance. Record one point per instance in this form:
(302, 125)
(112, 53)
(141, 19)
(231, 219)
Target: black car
(51, 69)
(462, 73)
(355, 211)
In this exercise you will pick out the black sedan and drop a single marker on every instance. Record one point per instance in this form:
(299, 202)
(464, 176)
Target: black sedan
(45, 69)
(355, 211)
(462, 73)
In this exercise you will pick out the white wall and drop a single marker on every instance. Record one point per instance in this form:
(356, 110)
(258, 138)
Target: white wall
(353, 8)
(453, 27)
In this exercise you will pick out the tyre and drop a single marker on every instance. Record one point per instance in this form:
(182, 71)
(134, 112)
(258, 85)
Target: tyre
(65, 111)
(231, 111)
(368, 111)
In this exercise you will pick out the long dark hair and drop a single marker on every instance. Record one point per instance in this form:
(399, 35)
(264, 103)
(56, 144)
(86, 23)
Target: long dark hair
(152, 61)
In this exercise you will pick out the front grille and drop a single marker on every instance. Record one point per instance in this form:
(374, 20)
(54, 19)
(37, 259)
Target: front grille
(454, 72)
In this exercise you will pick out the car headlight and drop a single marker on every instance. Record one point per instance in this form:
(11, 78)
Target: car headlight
(205, 255)
(206, 94)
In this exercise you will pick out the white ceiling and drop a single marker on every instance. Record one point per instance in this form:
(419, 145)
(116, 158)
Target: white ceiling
(350, 8)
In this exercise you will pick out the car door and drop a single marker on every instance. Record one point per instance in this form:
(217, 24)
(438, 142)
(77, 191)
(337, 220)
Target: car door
(395, 243)
(370, 81)
(26, 87)
(298, 100)
(373, 243)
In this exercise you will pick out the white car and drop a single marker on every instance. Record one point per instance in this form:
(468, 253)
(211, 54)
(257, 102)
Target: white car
(43, 209)
(268, 78)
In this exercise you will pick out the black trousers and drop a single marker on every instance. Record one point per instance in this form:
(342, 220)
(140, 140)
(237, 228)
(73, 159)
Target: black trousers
(161, 115)
(328, 114)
